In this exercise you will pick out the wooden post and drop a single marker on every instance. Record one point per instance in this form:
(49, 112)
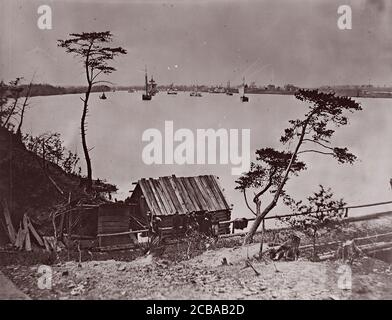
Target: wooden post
(8, 222)
(26, 227)
(34, 232)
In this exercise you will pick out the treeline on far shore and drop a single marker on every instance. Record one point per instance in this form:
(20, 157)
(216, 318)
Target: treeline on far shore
(38, 89)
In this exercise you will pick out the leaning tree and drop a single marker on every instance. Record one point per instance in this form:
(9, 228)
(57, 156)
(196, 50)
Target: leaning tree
(311, 134)
(94, 51)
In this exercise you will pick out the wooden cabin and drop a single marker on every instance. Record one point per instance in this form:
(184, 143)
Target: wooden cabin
(105, 225)
(165, 196)
(115, 225)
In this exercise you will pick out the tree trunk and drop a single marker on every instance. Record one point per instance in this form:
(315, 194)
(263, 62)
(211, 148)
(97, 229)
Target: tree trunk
(19, 130)
(84, 142)
(260, 216)
(258, 220)
(12, 110)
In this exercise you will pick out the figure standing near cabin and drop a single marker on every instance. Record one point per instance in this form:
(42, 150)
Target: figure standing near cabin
(206, 225)
(215, 227)
(155, 231)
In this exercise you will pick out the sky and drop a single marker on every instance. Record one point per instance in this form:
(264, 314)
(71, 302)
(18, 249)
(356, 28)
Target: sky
(205, 41)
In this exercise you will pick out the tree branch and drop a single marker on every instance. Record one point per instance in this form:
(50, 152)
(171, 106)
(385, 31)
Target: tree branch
(317, 151)
(246, 201)
(96, 76)
(101, 81)
(257, 195)
(319, 143)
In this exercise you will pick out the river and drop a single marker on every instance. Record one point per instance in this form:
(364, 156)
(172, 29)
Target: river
(116, 125)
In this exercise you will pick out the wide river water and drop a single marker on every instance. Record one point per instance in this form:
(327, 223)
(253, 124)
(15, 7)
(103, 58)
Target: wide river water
(116, 125)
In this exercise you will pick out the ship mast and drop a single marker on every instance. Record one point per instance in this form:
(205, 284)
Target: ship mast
(146, 80)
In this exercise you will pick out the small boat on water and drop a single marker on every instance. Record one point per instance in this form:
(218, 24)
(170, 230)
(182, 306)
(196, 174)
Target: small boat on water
(241, 90)
(195, 93)
(147, 95)
(171, 90)
(102, 96)
(218, 89)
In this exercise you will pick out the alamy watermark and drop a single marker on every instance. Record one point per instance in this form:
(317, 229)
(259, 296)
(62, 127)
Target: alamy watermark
(45, 279)
(205, 146)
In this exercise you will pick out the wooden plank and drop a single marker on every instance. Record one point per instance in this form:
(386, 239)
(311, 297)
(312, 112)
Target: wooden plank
(121, 233)
(22, 237)
(216, 181)
(164, 199)
(147, 196)
(197, 193)
(191, 193)
(173, 196)
(167, 195)
(115, 223)
(8, 222)
(203, 193)
(188, 186)
(157, 197)
(178, 194)
(188, 201)
(27, 240)
(19, 237)
(218, 193)
(154, 201)
(210, 193)
(34, 232)
(61, 227)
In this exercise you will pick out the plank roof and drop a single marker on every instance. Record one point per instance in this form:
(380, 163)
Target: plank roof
(171, 194)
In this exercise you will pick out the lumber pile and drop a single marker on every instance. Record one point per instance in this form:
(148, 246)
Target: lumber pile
(25, 233)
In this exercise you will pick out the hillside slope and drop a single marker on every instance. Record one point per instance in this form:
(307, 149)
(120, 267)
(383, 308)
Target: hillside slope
(26, 187)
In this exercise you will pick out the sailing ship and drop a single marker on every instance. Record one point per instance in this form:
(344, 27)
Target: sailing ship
(241, 90)
(147, 95)
(228, 91)
(171, 90)
(102, 96)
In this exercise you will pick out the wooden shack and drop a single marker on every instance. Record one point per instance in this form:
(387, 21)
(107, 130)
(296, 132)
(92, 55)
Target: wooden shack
(116, 225)
(105, 225)
(165, 196)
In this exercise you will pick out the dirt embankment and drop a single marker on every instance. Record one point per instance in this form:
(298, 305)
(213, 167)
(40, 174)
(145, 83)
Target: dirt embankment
(204, 277)
(24, 184)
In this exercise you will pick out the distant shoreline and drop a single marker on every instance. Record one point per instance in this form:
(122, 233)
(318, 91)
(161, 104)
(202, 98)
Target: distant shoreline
(275, 92)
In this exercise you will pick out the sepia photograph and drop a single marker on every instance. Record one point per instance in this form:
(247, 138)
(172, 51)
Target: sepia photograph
(215, 151)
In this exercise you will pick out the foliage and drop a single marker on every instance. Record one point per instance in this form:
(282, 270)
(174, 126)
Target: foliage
(95, 54)
(267, 172)
(9, 98)
(321, 212)
(49, 147)
(312, 133)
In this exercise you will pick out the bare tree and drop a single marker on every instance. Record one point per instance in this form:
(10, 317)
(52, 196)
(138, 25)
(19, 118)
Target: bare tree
(92, 48)
(23, 108)
(315, 131)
